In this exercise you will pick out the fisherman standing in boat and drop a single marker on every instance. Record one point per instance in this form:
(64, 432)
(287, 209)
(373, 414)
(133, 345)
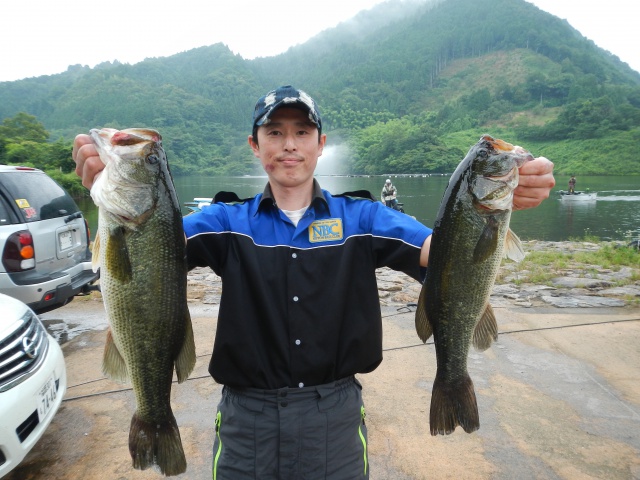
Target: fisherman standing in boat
(572, 185)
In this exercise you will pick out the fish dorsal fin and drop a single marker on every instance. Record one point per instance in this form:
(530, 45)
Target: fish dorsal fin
(95, 254)
(117, 255)
(488, 241)
(186, 359)
(486, 331)
(423, 327)
(113, 364)
(513, 247)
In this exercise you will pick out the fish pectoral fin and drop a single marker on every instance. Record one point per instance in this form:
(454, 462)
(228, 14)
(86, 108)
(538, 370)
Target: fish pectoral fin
(423, 327)
(486, 330)
(95, 254)
(513, 247)
(113, 364)
(488, 241)
(186, 359)
(117, 256)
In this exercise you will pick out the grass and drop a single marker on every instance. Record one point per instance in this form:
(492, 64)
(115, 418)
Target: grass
(540, 267)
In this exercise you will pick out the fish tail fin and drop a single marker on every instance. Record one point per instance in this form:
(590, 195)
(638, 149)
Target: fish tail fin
(486, 331)
(186, 359)
(453, 404)
(156, 444)
(423, 327)
(113, 364)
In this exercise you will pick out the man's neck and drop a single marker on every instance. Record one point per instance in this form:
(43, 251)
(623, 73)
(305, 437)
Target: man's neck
(292, 198)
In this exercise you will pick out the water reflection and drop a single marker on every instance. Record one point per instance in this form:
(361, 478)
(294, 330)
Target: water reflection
(577, 211)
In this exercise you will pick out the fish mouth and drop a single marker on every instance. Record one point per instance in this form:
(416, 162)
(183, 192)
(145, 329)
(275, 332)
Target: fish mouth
(492, 193)
(133, 136)
(507, 178)
(497, 177)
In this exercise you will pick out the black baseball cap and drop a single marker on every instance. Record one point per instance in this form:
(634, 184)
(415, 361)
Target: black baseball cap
(285, 96)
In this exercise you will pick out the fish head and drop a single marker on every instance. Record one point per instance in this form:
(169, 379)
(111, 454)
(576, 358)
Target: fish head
(494, 167)
(134, 162)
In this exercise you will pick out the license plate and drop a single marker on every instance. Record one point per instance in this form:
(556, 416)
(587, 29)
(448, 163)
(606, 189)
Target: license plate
(65, 240)
(46, 398)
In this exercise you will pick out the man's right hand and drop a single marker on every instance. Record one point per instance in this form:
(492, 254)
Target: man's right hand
(88, 163)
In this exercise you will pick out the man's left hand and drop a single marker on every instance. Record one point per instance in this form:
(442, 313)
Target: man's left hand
(535, 184)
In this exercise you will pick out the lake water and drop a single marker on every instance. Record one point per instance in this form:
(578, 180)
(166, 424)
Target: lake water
(615, 215)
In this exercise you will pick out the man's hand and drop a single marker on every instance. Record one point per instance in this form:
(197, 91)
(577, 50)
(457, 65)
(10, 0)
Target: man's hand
(88, 163)
(535, 184)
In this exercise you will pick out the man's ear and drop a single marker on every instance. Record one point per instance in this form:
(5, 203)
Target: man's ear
(321, 142)
(254, 145)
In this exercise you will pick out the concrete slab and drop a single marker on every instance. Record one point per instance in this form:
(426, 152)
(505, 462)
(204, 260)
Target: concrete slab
(558, 395)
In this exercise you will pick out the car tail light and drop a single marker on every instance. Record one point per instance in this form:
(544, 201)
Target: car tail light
(19, 253)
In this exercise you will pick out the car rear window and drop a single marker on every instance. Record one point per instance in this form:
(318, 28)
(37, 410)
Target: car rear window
(37, 196)
(5, 218)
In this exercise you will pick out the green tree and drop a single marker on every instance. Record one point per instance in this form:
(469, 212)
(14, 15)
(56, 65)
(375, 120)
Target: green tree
(23, 127)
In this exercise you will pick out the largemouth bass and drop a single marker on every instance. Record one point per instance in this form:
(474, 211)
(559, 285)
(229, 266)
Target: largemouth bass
(140, 250)
(470, 236)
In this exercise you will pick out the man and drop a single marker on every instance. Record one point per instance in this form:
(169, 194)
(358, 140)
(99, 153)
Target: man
(389, 194)
(299, 314)
(572, 185)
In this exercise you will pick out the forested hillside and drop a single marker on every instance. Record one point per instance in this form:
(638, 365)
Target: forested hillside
(407, 86)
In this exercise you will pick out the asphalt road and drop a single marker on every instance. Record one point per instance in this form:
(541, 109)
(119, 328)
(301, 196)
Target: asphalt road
(558, 395)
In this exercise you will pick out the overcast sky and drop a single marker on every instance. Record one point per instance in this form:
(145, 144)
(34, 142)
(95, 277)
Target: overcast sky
(42, 37)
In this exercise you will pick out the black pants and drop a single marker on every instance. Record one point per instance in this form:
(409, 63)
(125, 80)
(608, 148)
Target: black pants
(292, 433)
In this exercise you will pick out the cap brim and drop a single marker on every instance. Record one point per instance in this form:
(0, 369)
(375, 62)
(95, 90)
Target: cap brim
(298, 104)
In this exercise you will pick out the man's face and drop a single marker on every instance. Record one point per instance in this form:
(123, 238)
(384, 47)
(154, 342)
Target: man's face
(288, 147)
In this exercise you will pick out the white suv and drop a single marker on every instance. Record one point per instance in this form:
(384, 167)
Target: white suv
(33, 380)
(44, 241)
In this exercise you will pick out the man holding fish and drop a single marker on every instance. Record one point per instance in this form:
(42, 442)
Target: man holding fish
(300, 314)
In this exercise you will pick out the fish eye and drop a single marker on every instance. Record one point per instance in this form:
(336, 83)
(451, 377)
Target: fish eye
(152, 159)
(483, 153)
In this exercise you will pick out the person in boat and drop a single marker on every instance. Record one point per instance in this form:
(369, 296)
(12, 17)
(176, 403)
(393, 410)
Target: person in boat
(300, 314)
(389, 194)
(572, 185)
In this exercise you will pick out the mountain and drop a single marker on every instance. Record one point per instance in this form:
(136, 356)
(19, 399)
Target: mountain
(408, 86)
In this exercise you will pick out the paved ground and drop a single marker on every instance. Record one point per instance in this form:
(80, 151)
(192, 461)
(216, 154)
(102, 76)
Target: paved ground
(558, 394)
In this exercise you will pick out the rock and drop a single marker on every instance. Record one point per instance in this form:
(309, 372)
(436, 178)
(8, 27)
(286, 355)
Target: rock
(389, 286)
(578, 282)
(583, 301)
(535, 290)
(575, 285)
(499, 302)
(504, 289)
(621, 292)
(211, 299)
(523, 303)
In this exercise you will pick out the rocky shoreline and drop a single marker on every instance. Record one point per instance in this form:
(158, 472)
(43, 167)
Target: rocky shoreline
(578, 285)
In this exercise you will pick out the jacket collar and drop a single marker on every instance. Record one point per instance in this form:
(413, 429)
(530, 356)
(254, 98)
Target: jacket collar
(268, 200)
